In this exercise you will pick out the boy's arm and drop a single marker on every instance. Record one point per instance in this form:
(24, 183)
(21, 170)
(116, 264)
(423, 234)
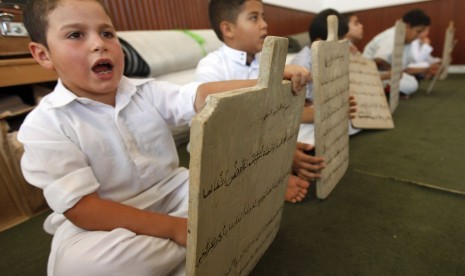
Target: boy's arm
(382, 64)
(209, 88)
(432, 70)
(298, 75)
(308, 114)
(94, 213)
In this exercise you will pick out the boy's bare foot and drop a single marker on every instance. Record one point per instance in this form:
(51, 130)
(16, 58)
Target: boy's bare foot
(296, 189)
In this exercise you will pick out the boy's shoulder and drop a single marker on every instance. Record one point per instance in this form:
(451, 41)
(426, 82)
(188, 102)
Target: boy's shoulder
(214, 56)
(387, 34)
(303, 58)
(212, 61)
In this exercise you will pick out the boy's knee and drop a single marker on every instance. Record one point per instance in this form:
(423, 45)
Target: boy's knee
(120, 252)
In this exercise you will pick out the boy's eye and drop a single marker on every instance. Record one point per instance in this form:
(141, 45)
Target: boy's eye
(75, 35)
(108, 34)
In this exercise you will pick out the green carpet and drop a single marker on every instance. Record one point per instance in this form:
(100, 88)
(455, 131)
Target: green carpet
(426, 145)
(391, 214)
(25, 248)
(370, 226)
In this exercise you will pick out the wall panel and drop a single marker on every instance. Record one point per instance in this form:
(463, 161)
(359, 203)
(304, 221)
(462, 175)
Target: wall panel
(189, 14)
(193, 14)
(158, 14)
(459, 19)
(283, 21)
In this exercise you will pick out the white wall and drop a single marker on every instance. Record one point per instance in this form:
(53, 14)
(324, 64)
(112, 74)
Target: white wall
(315, 6)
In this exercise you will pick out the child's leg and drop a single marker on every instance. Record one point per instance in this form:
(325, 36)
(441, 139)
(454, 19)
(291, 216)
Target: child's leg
(122, 252)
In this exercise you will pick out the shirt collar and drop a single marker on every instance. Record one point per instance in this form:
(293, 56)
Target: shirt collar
(240, 56)
(61, 96)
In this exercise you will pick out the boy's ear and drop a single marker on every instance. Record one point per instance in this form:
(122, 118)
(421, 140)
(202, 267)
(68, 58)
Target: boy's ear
(227, 29)
(41, 55)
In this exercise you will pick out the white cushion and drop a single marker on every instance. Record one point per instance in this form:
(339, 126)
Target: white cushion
(167, 51)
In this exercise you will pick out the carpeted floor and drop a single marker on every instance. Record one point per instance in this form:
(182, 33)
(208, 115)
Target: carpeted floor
(426, 145)
(399, 210)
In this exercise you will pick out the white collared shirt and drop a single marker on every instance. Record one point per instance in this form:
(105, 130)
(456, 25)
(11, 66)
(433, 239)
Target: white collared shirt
(421, 54)
(382, 45)
(226, 64)
(75, 146)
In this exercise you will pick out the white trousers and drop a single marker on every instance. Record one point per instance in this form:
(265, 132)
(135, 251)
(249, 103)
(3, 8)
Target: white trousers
(120, 252)
(408, 84)
(306, 134)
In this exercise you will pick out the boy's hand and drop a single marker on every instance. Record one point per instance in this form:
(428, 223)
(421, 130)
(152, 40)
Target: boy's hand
(386, 75)
(353, 49)
(299, 76)
(304, 165)
(382, 64)
(352, 107)
(433, 69)
(180, 231)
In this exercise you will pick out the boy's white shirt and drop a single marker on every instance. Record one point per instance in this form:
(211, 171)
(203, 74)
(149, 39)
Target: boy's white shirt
(421, 54)
(75, 146)
(226, 64)
(381, 46)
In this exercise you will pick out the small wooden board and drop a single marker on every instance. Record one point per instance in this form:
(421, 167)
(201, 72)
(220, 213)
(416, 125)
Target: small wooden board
(366, 87)
(242, 145)
(397, 67)
(330, 70)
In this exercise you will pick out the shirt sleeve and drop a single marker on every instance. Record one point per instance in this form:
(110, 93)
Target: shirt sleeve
(174, 103)
(384, 51)
(52, 162)
(380, 47)
(421, 52)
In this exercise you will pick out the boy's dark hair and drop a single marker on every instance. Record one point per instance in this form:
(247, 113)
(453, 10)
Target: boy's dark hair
(36, 18)
(416, 17)
(348, 15)
(319, 27)
(223, 10)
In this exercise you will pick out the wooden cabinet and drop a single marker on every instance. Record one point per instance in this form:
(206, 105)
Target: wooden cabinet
(20, 71)
(18, 200)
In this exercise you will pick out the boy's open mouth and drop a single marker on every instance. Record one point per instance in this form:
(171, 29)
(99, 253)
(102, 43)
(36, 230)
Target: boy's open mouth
(103, 68)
